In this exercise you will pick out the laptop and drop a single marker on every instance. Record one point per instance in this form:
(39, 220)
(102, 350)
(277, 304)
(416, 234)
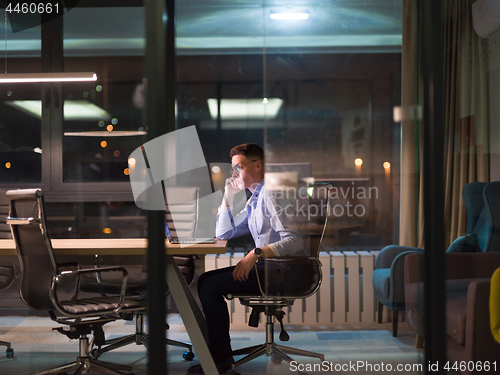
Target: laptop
(173, 239)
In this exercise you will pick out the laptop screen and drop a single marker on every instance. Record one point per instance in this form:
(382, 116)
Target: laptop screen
(167, 231)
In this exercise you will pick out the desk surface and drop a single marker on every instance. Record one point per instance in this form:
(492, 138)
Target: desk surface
(116, 246)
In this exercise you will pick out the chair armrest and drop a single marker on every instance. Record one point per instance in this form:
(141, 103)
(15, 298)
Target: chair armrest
(479, 338)
(387, 255)
(79, 273)
(397, 276)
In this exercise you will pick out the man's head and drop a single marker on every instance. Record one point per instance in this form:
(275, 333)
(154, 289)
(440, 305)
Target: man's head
(248, 163)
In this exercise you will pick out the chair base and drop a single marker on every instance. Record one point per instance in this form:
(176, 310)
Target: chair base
(84, 363)
(270, 348)
(9, 350)
(139, 338)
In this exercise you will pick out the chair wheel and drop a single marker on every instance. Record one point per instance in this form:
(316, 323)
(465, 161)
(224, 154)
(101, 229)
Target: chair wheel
(188, 355)
(95, 353)
(276, 360)
(10, 352)
(235, 372)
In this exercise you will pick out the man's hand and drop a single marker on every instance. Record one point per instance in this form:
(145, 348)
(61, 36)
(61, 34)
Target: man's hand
(233, 186)
(244, 266)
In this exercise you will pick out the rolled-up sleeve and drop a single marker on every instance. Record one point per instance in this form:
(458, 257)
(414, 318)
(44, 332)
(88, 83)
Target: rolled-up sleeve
(228, 227)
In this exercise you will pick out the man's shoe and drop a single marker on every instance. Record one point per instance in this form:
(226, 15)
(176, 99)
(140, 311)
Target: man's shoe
(222, 367)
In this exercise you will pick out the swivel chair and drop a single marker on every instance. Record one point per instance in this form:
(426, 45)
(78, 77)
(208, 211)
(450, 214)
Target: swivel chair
(7, 276)
(7, 272)
(41, 277)
(301, 278)
(183, 205)
(482, 235)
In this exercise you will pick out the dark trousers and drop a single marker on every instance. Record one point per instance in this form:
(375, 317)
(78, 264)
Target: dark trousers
(212, 287)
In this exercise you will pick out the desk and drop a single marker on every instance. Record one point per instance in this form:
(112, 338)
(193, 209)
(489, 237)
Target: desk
(115, 246)
(191, 314)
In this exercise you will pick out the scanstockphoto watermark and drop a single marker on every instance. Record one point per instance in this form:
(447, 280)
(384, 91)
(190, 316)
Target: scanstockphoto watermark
(356, 366)
(311, 202)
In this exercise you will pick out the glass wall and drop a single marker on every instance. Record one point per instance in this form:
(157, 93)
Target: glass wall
(21, 108)
(322, 93)
(330, 92)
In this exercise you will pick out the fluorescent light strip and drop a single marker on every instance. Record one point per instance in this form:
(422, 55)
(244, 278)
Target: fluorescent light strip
(47, 77)
(289, 16)
(114, 133)
(241, 109)
(74, 110)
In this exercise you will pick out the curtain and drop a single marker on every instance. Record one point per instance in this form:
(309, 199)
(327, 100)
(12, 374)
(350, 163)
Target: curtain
(466, 125)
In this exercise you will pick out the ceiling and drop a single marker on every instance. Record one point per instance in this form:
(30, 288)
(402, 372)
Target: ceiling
(227, 26)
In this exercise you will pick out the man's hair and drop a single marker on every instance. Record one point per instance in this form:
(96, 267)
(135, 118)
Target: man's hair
(249, 150)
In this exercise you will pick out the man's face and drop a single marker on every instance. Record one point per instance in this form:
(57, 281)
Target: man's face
(249, 170)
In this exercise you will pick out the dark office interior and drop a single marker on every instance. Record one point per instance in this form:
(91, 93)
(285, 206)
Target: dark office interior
(390, 107)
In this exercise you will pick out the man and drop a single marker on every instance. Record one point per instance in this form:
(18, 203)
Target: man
(267, 224)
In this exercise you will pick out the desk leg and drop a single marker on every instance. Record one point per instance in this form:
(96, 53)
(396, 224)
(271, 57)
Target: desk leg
(191, 315)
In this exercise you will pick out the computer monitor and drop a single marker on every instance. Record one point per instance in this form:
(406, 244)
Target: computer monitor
(303, 169)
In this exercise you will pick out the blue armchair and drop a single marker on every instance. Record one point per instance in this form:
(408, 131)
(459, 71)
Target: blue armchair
(482, 201)
(388, 281)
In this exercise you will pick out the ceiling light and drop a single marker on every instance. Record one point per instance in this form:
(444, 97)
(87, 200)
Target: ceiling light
(103, 133)
(289, 16)
(73, 109)
(47, 77)
(245, 109)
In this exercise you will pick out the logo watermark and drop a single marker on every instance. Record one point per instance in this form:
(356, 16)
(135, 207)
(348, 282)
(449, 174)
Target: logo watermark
(356, 366)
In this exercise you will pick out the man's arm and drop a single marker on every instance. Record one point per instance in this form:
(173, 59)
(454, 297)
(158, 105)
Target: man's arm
(244, 266)
(229, 226)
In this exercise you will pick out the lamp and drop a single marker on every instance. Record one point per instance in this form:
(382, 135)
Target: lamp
(47, 77)
(289, 16)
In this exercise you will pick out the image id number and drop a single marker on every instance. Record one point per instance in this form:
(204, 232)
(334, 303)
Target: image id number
(32, 8)
(471, 366)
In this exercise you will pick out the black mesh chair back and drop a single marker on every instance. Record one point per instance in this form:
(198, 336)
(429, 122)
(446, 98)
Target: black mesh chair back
(7, 276)
(284, 280)
(7, 272)
(40, 276)
(38, 265)
(4, 212)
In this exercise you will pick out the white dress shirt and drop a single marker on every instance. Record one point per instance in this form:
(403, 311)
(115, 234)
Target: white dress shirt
(265, 220)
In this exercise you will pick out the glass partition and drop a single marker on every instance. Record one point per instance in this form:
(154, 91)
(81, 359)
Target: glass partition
(20, 105)
(103, 120)
(340, 103)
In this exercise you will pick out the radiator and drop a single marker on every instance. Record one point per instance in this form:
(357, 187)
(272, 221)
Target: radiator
(345, 294)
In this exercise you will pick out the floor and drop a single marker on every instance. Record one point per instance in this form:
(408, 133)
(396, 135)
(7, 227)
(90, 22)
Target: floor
(348, 348)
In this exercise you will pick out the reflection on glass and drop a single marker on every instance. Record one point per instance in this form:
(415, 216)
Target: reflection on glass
(20, 134)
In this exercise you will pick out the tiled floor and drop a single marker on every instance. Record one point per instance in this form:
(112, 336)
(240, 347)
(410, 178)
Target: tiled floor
(356, 349)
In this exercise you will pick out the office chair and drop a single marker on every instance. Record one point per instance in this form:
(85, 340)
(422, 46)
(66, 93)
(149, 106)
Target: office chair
(7, 276)
(7, 272)
(301, 279)
(482, 235)
(183, 205)
(41, 277)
